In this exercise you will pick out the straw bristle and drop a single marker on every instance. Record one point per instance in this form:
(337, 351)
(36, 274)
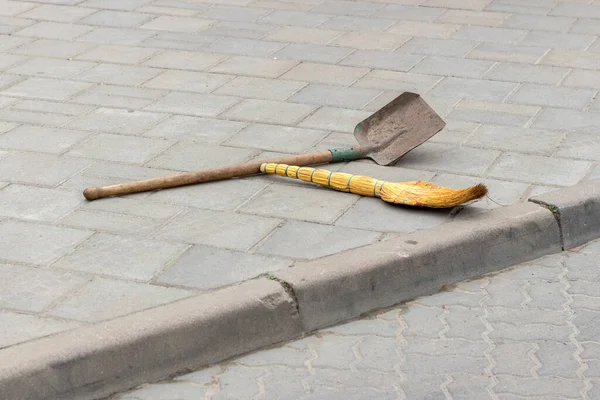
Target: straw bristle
(415, 193)
(425, 194)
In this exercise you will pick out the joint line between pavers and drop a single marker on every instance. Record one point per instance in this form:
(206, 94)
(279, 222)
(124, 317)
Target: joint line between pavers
(556, 214)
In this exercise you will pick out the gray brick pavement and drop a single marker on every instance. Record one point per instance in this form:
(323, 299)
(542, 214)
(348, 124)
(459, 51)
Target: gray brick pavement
(102, 92)
(511, 335)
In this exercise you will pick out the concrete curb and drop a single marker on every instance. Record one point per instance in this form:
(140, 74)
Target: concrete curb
(95, 361)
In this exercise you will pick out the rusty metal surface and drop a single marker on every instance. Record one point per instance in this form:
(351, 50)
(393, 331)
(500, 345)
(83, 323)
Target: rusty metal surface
(397, 128)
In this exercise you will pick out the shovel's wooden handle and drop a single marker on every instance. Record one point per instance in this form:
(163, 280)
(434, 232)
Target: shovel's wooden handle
(188, 178)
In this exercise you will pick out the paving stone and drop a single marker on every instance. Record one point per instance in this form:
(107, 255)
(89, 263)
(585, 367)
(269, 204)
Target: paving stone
(135, 150)
(527, 73)
(36, 204)
(194, 156)
(393, 218)
(566, 41)
(408, 12)
(219, 229)
(48, 89)
(34, 117)
(334, 119)
(296, 34)
(32, 243)
(563, 119)
(118, 54)
(500, 108)
(34, 289)
(10, 60)
(179, 40)
(571, 59)
(395, 80)
(17, 328)
(370, 41)
(581, 146)
(327, 74)
(39, 169)
(125, 122)
(8, 42)
(583, 79)
(269, 112)
(198, 104)
(115, 4)
(51, 107)
(116, 19)
(186, 60)
(296, 18)
(111, 222)
(135, 207)
(586, 26)
(109, 96)
(424, 29)
(318, 240)
(348, 23)
(54, 30)
(52, 68)
(117, 74)
(492, 35)
(13, 24)
(8, 7)
(541, 387)
(276, 138)
(230, 13)
(477, 5)
(396, 61)
(539, 23)
(203, 376)
(245, 47)
(436, 65)
(438, 47)
(233, 193)
(474, 89)
(540, 9)
(58, 13)
(247, 30)
(177, 24)
(466, 17)
(312, 53)
(42, 139)
(187, 81)
(302, 203)
(124, 171)
(519, 140)
(343, 97)
(103, 299)
(507, 53)
(342, 7)
(576, 10)
(196, 129)
(108, 254)
(122, 36)
(260, 88)
(207, 268)
(449, 158)
(251, 66)
(538, 169)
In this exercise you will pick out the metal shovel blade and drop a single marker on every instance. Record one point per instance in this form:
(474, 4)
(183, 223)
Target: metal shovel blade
(400, 126)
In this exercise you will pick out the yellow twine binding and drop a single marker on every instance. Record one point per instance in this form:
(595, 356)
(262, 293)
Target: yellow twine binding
(413, 193)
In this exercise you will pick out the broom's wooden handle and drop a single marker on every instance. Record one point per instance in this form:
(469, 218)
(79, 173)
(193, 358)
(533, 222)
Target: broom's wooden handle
(188, 178)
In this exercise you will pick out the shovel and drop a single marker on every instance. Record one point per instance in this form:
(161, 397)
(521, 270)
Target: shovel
(394, 130)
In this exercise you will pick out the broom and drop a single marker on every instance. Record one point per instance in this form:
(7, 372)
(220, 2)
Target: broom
(413, 193)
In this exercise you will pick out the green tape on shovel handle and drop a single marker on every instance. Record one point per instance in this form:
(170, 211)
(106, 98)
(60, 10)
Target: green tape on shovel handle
(339, 155)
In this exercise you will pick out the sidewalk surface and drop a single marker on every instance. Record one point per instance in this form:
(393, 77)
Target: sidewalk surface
(528, 332)
(100, 92)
